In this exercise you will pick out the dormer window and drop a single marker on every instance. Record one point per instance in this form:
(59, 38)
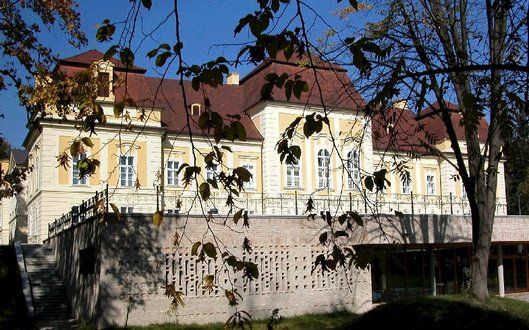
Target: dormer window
(195, 109)
(103, 84)
(104, 75)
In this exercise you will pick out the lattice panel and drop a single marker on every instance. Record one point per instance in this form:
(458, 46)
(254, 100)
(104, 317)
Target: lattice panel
(333, 280)
(280, 270)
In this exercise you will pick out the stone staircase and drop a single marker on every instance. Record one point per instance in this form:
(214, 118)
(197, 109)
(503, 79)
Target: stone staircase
(52, 309)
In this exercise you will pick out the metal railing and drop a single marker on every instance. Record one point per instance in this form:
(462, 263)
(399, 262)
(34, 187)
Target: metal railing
(79, 213)
(187, 202)
(295, 204)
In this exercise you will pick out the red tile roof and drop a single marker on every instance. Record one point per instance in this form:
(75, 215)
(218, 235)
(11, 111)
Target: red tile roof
(88, 57)
(430, 119)
(396, 129)
(337, 88)
(166, 94)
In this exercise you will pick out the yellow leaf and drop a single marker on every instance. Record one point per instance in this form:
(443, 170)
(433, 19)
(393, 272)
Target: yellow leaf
(87, 141)
(116, 210)
(157, 218)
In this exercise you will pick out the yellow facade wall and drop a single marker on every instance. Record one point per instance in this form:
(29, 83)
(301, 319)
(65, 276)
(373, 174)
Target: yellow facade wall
(64, 146)
(241, 158)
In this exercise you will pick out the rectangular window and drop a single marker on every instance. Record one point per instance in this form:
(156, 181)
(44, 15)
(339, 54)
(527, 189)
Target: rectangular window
(324, 163)
(406, 185)
(211, 172)
(76, 180)
(103, 84)
(250, 184)
(172, 169)
(293, 175)
(126, 171)
(126, 209)
(430, 184)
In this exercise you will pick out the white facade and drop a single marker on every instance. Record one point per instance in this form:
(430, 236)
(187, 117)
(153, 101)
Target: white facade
(52, 191)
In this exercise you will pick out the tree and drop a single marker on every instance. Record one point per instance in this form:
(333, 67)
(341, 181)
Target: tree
(25, 56)
(421, 51)
(5, 149)
(441, 47)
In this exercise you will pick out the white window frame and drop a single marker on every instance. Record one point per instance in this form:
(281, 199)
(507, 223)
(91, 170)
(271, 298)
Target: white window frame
(211, 172)
(126, 209)
(293, 174)
(130, 171)
(172, 180)
(80, 181)
(323, 168)
(406, 185)
(430, 184)
(250, 167)
(353, 169)
(199, 109)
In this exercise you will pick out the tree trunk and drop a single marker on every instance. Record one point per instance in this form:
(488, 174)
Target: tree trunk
(480, 258)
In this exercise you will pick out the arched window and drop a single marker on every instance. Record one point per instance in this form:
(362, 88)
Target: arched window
(353, 169)
(324, 162)
(195, 109)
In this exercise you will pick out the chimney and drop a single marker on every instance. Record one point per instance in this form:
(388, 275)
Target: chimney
(401, 104)
(233, 79)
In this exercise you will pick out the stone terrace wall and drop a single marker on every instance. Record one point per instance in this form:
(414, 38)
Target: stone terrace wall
(76, 248)
(134, 259)
(440, 229)
(137, 259)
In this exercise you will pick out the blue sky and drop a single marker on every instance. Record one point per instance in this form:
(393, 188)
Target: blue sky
(204, 23)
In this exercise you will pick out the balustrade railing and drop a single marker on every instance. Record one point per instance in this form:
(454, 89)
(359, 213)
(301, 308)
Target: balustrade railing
(188, 203)
(80, 213)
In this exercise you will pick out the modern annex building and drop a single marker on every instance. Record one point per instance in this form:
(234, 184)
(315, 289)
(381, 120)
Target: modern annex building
(125, 266)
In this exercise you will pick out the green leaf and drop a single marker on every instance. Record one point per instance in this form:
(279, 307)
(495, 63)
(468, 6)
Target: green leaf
(237, 216)
(147, 3)
(87, 141)
(288, 89)
(342, 218)
(74, 148)
(153, 53)
(194, 249)
(119, 107)
(195, 83)
(205, 191)
(357, 218)
(252, 271)
(113, 50)
(157, 218)
(115, 210)
(323, 238)
(127, 58)
(105, 31)
(341, 233)
(162, 58)
(369, 183)
(243, 173)
(210, 250)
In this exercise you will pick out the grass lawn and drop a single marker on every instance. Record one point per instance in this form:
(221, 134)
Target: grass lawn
(445, 312)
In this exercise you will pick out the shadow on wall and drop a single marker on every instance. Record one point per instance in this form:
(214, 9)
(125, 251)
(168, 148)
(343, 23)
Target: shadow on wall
(418, 229)
(19, 226)
(133, 268)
